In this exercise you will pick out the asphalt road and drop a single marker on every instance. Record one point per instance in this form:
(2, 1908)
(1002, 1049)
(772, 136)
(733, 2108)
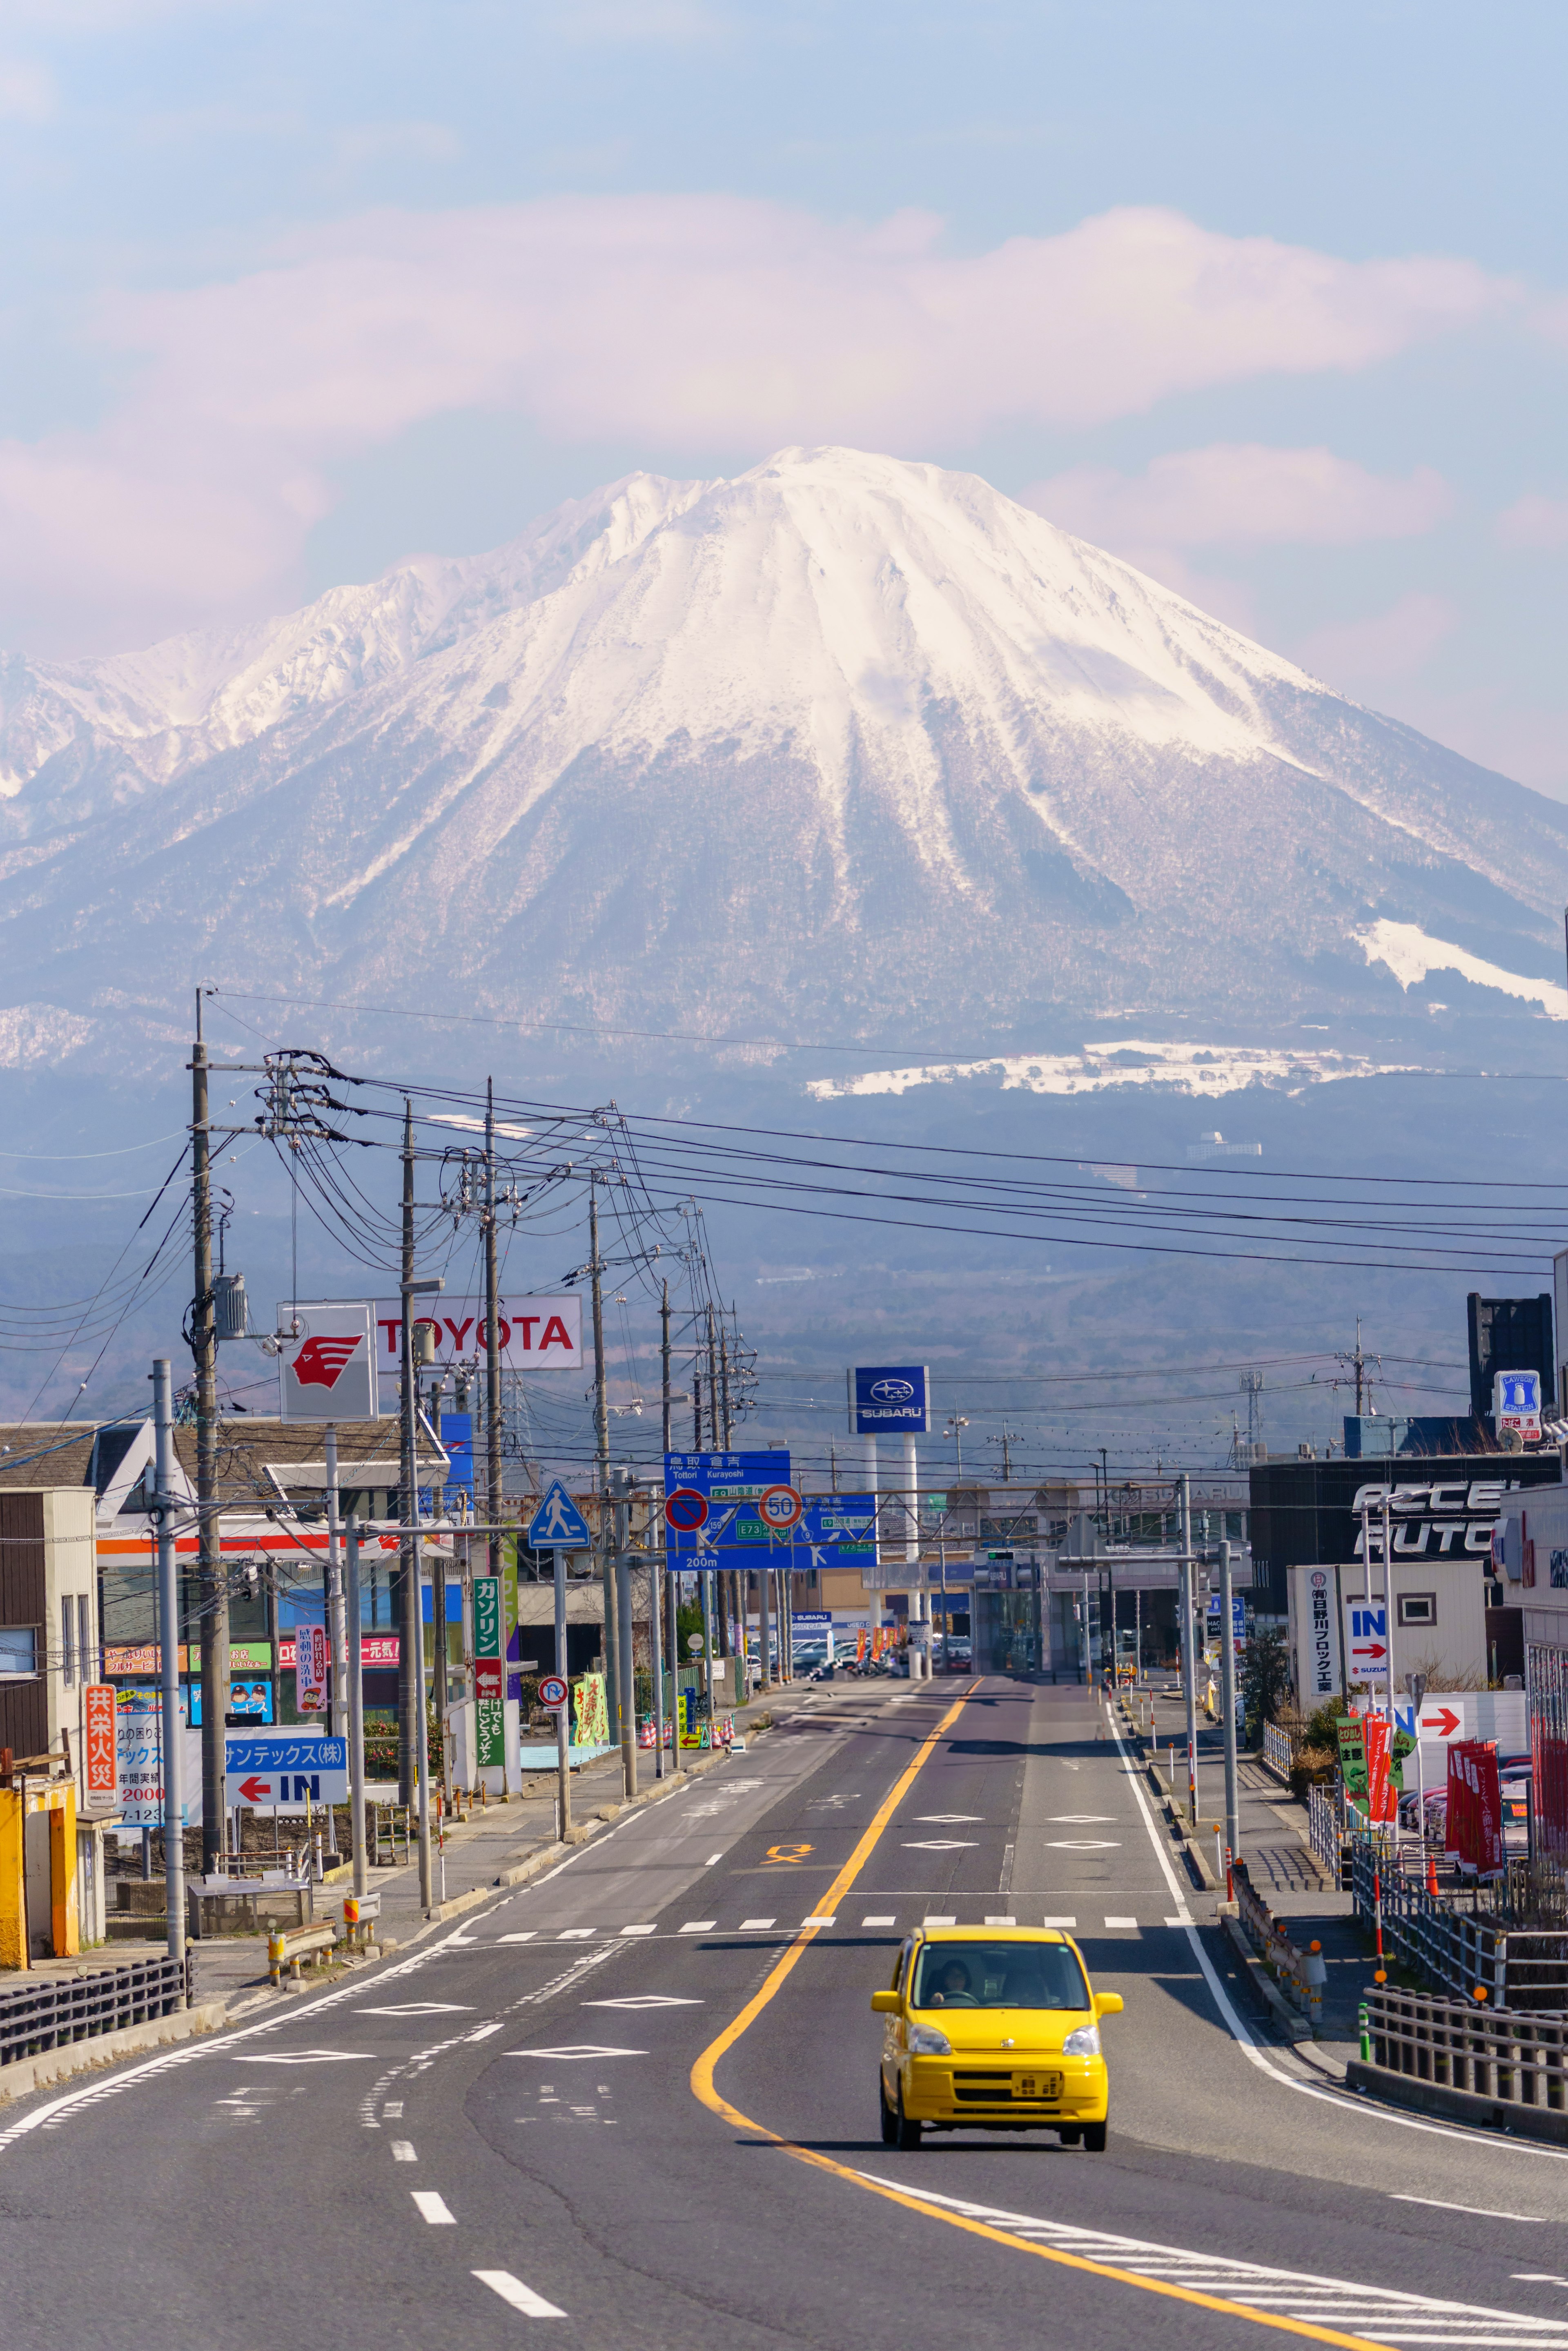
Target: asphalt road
(636, 2102)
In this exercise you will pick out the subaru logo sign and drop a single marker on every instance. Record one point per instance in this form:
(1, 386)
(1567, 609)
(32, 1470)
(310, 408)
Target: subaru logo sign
(892, 1399)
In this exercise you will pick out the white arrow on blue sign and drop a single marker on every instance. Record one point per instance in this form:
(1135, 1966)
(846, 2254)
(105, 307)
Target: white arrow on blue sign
(285, 1771)
(557, 1524)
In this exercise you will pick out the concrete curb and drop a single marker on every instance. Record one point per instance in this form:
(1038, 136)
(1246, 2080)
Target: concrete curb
(26, 2074)
(1503, 2114)
(1294, 2026)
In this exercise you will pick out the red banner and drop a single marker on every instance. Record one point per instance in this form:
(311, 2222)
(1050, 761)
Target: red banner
(1474, 1835)
(99, 1713)
(1380, 1800)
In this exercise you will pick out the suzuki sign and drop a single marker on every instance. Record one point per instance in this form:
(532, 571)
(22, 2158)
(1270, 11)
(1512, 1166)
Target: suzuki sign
(327, 1369)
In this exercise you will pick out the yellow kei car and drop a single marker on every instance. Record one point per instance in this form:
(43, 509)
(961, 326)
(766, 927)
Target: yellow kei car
(993, 2029)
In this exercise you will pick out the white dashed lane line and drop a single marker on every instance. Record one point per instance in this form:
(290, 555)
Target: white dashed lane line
(402, 2151)
(433, 2208)
(521, 2297)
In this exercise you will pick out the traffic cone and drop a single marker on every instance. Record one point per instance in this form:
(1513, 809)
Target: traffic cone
(1432, 1873)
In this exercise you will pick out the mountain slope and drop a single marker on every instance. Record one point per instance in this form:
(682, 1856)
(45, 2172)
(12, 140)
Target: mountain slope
(844, 747)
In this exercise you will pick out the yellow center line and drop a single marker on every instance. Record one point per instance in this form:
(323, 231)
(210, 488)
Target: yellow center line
(703, 2087)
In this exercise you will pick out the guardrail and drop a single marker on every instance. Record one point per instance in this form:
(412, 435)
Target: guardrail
(1506, 2057)
(50, 2010)
(1454, 1939)
(1279, 1750)
(1325, 1834)
(1301, 1975)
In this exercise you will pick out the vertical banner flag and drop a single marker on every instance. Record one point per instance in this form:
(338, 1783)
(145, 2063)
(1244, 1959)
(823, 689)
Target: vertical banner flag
(1379, 1792)
(98, 1740)
(591, 1710)
(309, 1669)
(1491, 1858)
(490, 1674)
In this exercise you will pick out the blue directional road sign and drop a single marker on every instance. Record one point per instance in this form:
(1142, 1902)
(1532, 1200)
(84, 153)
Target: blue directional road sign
(281, 1769)
(733, 1534)
(838, 1530)
(889, 1400)
(557, 1524)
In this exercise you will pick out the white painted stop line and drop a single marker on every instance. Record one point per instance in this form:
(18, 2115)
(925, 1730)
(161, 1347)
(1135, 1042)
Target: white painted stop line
(521, 2297)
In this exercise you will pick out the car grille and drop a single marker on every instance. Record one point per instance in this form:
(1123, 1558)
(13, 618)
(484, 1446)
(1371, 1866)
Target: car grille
(987, 2086)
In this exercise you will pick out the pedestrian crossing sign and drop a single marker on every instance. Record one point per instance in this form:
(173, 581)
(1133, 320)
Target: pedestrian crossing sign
(557, 1524)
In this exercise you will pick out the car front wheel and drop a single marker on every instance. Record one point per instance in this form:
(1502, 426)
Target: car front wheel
(908, 2133)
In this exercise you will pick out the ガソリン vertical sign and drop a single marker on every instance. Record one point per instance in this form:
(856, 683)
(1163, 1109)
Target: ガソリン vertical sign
(490, 1674)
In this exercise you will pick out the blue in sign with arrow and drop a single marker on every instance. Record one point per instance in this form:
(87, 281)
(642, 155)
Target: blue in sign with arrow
(557, 1524)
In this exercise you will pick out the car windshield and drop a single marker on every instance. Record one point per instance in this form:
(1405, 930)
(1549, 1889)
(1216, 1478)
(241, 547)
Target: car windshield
(999, 1975)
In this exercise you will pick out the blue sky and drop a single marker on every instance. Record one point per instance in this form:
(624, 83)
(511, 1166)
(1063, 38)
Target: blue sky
(1272, 299)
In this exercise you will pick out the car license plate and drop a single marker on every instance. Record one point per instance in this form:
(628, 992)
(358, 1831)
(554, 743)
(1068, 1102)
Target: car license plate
(1043, 2087)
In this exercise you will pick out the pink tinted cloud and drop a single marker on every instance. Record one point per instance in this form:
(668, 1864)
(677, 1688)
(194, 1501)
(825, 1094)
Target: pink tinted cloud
(699, 322)
(1363, 655)
(1535, 521)
(1240, 495)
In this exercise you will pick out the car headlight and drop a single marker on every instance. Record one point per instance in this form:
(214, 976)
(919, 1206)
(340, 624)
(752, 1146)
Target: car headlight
(1084, 2043)
(925, 2041)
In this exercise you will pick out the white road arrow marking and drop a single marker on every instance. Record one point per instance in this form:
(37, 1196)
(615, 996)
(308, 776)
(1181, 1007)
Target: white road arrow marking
(310, 2057)
(645, 1999)
(579, 2049)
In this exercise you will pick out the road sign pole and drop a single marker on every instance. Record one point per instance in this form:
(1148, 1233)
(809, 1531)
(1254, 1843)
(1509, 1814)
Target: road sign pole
(562, 1736)
(624, 1656)
(169, 1663)
(764, 1628)
(1227, 1688)
(356, 1679)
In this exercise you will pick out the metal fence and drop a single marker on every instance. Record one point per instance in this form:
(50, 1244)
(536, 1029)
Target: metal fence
(1511, 2058)
(1325, 1834)
(1279, 1750)
(47, 2012)
(389, 1835)
(1455, 1938)
(1301, 1974)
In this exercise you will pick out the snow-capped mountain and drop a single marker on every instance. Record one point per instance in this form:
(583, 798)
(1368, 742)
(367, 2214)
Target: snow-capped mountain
(846, 748)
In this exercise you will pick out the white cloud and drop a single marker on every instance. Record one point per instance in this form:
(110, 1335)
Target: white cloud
(692, 322)
(1362, 654)
(1240, 495)
(1535, 521)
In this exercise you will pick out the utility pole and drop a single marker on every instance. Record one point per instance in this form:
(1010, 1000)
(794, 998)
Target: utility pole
(602, 1465)
(664, 1362)
(337, 1648)
(668, 1585)
(169, 1663)
(1228, 1700)
(214, 1600)
(413, 1616)
(1189, 1664)
(409, 1607)
(493, 1339)
(356, 1712)
(492, 1397)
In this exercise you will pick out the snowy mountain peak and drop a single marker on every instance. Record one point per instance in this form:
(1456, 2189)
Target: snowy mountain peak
(847, 745)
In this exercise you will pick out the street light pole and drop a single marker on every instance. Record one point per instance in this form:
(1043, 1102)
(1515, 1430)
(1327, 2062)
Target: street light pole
(356, 1709)
(1188, 1663)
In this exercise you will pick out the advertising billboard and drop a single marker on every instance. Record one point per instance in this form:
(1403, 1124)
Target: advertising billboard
(327, 1370)
(536, 1334)
(889, 1400)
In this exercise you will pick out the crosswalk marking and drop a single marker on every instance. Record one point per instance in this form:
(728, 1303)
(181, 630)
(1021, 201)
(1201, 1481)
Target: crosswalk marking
(637, 1930)
(1377, 2313)
(1069, 1923)
(756, 1922)
(880, 1921)
(526, 1937)
(576, 1933)
(830, 1920)
(999, 1919)
(933, 1918)
(699, 1926)
(1120, 1922)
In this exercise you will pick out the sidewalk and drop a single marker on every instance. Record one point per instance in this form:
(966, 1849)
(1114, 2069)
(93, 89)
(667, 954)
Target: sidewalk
(1272, 1830)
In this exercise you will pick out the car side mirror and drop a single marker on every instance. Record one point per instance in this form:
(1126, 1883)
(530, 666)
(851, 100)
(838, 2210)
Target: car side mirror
(1108, 2003)
(885, 2004)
